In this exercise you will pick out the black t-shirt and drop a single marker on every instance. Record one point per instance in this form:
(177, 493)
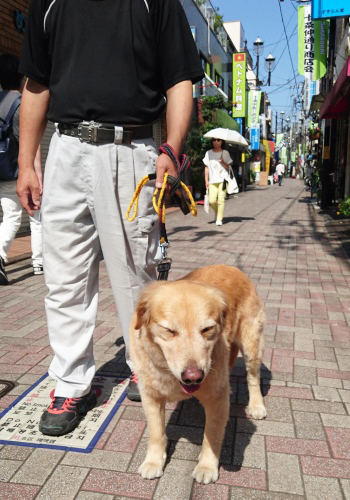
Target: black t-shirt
(111, 61)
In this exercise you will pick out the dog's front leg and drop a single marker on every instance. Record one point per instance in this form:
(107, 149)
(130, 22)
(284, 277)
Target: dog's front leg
(153, 464)
(216, 416)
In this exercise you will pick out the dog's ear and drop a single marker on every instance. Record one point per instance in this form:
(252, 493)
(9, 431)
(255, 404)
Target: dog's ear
(141, 314)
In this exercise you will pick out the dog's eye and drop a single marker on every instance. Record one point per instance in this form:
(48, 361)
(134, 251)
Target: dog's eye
(207, 329)
(169, 330)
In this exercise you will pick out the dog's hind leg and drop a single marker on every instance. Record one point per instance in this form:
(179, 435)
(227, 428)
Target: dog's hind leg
(216, 416)
(252, 344)
(153, 464)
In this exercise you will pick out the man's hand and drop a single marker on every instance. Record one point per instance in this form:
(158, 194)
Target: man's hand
(164, 164)
(28, 190)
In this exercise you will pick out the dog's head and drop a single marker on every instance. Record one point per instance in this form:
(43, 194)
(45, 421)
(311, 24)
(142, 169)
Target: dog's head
(185, 320)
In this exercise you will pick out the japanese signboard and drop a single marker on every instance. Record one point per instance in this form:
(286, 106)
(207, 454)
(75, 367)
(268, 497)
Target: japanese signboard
(255, 137)
(254, 107)
(312, 45)
(324, 9)
(239, 85)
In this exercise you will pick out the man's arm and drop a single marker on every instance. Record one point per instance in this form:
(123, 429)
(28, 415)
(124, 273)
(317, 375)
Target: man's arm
(32, 124)
(178, 119)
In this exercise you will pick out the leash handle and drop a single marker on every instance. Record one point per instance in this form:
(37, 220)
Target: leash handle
(180, 166)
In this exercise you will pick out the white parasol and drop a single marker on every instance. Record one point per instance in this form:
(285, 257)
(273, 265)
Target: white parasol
(228, 135)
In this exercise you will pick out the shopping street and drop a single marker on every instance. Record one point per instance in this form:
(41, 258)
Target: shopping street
(300, 451)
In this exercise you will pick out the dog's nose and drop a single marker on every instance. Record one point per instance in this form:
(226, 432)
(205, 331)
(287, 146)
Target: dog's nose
(192, 376)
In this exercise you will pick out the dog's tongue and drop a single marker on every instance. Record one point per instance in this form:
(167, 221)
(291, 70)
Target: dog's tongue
(190, 389)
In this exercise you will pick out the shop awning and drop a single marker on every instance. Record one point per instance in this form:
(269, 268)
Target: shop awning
(317, 102)
(337, 101)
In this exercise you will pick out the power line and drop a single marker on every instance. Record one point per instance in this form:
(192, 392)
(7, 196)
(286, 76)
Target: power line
(285, 31)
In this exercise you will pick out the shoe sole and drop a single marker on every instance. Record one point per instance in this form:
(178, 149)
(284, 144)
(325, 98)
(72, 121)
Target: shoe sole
(57, 431)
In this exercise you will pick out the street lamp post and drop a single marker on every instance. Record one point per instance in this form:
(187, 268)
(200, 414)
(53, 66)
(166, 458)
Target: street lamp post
(258, 50)
(270, 66)
(282, 114)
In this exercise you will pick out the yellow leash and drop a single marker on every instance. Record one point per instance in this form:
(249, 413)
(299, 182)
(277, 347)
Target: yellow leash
(158, 205)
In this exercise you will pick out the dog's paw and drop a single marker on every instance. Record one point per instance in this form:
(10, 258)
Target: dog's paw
(205, 474)
(257, 412)
(151, 470)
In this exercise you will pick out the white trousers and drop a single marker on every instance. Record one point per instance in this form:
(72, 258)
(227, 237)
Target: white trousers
(11, 221)
(87, 190)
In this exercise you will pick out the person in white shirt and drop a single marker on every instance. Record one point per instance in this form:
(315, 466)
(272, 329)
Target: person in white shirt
(280, 172)
(216, 161)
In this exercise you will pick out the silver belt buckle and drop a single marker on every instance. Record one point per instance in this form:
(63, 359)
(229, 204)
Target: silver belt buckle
(87, 131)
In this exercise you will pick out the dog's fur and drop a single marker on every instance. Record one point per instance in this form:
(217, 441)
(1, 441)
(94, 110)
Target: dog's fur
(186, 328)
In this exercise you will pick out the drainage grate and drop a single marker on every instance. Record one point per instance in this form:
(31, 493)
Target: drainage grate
(5, 387)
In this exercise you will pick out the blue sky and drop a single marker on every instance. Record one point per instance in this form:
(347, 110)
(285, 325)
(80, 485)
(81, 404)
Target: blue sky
(263, 18)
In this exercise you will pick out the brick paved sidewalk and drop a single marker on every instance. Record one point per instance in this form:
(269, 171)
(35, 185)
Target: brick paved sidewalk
(302, 449)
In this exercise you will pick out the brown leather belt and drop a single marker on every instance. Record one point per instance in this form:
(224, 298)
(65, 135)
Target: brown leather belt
(99, 133)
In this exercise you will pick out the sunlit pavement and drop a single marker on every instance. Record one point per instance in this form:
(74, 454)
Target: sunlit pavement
(301, 450)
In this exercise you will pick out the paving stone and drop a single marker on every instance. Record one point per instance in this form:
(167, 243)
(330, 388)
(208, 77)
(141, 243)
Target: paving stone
(18, 491)
(248, 494)
(169, 485)
(125, 436)
(265, 427)
(308, 425)
(38, 466)
(318, 406)
(328, 467)
(15, 452)
(297, 446)
(304, 374)
(65, 482)
(326, 393)
(336, 421)
(249, 451)
(88, 495)
(329, 382)
(278, 409)
(339, 440)
(210, 492)
(345, 395)
(119, 483)
(99, 459)
(8, 469)
(244, 477)
(284, 473)
(345, 483)
(322, 488)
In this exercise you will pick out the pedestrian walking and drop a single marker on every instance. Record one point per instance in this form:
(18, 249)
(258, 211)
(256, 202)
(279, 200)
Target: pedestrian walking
(103, 73)
(216, 161)
(280, 169)
(10, 98)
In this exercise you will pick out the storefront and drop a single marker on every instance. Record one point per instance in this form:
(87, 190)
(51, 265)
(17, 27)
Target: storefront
(336, 110)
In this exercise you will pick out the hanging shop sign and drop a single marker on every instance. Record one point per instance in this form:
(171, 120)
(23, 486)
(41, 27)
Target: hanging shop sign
(312, 45)
(323, 9)
(255, 138)
(239, 85)
(254, 107)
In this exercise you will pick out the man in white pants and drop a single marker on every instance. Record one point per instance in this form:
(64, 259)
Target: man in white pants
(11, 83)
(101, 74)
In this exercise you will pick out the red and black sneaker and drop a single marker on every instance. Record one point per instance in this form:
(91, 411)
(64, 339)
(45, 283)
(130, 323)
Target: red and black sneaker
(64, 414)
(133, 389)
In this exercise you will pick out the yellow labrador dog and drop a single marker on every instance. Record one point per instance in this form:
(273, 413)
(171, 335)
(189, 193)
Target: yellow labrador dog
(185, 337)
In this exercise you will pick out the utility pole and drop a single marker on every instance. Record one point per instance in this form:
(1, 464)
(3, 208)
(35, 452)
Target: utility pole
(276, 126)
